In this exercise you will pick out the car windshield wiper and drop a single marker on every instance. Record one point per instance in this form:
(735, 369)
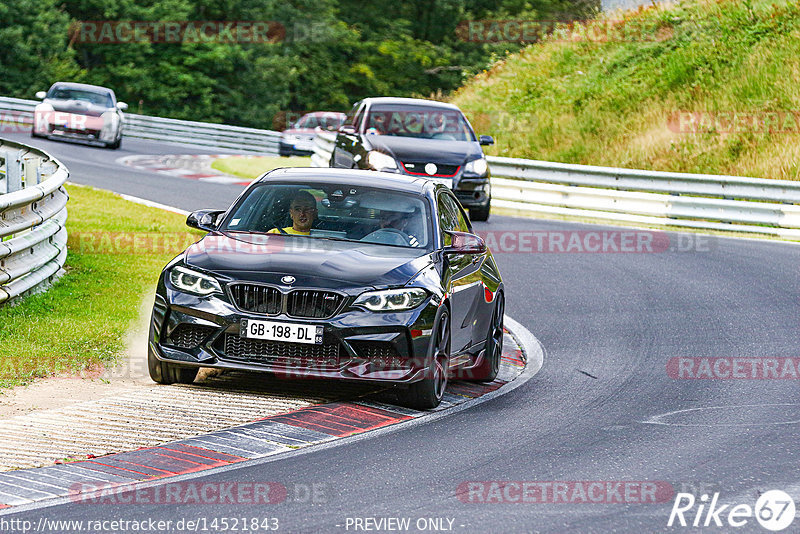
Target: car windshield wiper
(346, 240)
(288, 234)
(226, 232)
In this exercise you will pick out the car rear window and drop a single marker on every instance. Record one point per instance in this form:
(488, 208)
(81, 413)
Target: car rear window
(326, 121)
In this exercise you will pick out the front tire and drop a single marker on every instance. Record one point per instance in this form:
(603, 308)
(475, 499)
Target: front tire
(428, 392)
(481, 214)
(115, 145)
(167, 373)
(488, 369)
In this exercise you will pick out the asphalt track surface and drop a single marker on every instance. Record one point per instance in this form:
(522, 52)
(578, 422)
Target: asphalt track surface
(609, 323)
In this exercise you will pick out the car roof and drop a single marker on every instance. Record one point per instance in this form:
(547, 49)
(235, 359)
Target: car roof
(410, 101)
(85, 86)
(355, 177)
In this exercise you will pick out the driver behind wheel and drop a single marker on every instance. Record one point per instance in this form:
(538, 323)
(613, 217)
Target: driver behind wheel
(303, 211)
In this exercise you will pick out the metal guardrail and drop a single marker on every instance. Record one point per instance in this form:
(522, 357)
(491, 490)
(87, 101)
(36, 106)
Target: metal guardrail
(198, 134)
(33, 211)
(323, 148)
(702, 201)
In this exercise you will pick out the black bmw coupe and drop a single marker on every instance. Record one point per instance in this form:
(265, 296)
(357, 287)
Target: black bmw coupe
(419, 138)
(340, 274)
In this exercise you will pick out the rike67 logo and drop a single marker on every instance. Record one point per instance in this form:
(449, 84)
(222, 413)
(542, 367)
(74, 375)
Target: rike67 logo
(774, 510)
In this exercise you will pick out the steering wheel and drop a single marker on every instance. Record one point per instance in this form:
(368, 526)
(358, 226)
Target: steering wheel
(387, 236)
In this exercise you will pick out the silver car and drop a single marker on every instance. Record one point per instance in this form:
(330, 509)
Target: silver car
(79, 111)
(298, 139)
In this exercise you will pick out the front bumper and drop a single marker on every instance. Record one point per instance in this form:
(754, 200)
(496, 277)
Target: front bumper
(286, 148)
(473, 192)
(64, 125)
(357, 344)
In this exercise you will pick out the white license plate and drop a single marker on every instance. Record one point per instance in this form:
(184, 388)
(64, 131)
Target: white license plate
(275, 331)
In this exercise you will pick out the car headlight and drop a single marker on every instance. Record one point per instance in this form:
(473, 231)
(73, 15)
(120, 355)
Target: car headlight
(380, 161)
(392, 299)
(193, 282)
(110, 124)
(477, 167)
(42, 115)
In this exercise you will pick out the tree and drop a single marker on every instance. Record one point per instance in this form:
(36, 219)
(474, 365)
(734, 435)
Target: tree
(34, 49)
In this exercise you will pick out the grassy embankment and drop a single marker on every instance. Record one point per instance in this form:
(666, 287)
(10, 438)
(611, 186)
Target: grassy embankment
(615, 103)
(116, 251)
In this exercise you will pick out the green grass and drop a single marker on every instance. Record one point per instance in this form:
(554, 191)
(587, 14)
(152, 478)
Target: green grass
(116, 251)
(610, 103)
(255, 166)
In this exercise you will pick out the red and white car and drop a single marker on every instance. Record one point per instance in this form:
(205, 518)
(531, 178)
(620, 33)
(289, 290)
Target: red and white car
(298, 139)
(79, 111)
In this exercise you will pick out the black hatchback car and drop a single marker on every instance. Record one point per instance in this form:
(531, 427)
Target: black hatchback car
(330, 273)
(418, 138)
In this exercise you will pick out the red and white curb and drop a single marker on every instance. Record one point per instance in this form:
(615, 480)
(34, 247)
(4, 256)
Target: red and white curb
(194, 167)
(273, 435)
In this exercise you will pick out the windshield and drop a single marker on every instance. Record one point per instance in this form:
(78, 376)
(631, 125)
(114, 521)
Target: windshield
(425, 122)
(99, 99)
(334, 211)
(326, 121)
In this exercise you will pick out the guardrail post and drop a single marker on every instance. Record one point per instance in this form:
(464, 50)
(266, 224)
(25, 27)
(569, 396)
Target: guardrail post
(30, 170)
(3, 181)
(13, 171)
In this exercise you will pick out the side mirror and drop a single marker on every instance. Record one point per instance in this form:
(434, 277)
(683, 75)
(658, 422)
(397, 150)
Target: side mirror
(486, 140)
(465, 243)
(204, 219)
(41, 95)
(122, 106)
(347, 130)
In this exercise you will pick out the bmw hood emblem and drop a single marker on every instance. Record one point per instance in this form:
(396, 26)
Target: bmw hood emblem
(288, 280)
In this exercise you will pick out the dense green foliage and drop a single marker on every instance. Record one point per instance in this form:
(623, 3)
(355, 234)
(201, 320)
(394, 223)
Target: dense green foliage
(332, 53)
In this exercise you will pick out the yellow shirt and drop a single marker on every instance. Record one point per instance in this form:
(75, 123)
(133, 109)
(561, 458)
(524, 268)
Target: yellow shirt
(289, 230)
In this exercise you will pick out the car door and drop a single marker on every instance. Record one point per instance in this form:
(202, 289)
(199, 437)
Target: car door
(462, 277)
(478, 315)
(348, 140)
